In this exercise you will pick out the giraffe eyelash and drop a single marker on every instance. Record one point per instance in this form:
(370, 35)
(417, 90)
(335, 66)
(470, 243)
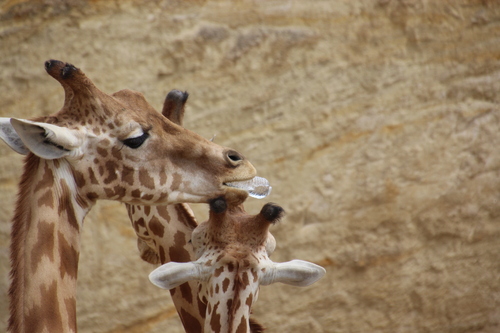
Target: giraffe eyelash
(136, 142)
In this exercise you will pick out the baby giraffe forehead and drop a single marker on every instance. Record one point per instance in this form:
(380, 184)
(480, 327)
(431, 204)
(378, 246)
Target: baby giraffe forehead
(240, 230)
(235, 262)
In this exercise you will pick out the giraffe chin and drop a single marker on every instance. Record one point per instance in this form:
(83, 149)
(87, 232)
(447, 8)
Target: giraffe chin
(256, 187)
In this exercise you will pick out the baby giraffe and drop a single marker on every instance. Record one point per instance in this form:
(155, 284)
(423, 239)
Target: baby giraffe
(233, 250)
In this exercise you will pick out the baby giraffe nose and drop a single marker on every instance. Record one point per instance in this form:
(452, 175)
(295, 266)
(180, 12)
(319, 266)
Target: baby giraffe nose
(233, 158)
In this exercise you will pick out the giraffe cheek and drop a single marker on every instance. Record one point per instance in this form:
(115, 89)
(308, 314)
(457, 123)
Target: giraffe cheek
(146, 180)
(127, 175)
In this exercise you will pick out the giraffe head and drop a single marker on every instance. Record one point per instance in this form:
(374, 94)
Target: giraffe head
(232, 250)
(118, 147)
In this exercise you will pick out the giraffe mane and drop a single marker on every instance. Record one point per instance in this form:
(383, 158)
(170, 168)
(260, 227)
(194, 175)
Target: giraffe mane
(18, 234)
(255, 326)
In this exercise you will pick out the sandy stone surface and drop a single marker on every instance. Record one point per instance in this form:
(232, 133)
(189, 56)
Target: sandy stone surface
(377, 123)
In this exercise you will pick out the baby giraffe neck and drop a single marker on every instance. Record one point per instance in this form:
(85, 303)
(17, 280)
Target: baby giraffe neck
(231, 293)
(45, 249)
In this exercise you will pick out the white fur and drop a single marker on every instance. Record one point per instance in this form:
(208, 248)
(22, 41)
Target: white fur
(173, 274)
(11, 138)
(46, 140)
(298, 273)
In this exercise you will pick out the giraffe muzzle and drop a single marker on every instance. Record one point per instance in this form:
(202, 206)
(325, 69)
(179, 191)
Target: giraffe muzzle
(256, 187)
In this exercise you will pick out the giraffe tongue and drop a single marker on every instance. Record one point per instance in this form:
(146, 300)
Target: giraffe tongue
(257, 187)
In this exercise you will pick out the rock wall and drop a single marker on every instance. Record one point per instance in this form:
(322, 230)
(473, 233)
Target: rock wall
(377, 123)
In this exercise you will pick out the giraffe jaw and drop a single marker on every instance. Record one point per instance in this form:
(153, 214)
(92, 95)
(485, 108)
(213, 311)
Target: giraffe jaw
(256, 187)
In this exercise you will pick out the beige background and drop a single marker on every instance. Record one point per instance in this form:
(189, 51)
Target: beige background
(377, 123)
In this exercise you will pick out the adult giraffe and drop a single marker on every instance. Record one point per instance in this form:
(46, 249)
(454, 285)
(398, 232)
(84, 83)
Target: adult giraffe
(98, 146)
(232, 250)
(164, 232)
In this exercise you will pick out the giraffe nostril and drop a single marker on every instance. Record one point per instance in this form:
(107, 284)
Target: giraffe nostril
(233, 157)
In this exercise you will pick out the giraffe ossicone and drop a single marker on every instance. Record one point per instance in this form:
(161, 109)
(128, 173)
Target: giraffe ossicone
(232, 260)
(98, 146)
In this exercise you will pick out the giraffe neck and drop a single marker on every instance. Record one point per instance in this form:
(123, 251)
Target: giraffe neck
(164, 233)
(231, 292)
(45, 248)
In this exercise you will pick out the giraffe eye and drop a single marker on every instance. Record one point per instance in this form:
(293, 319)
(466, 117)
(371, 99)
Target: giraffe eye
(136, 142)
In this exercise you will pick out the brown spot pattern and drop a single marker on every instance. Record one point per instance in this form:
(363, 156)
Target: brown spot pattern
(47, 199)
(249, 301)
(156, 227)
(47, 315)
(66, 205)
(92, 196)
(176, 181)
(47, 180)
(111, 168)
(162, 254)
(185, 217)
(177, 251)
(218, 271)
(230, 266)
(44, 245)
(139, 222)
(163, 176)
(244, 280)
(68, 256)
(189, 322)
(215, 319)
(117, 191)
(255, 275)
(225, 284)
(186, 292)
(116, 153)
(92, 177)
(101, 151)
(219, 257)
(147, 197)
(163, 212)
(79, 178)
(127, 175)
(242, 327)
(202, 305)
(145, 179)
(71, 311)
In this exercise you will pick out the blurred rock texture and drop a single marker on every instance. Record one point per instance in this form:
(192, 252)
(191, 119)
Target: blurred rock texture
(377, 123)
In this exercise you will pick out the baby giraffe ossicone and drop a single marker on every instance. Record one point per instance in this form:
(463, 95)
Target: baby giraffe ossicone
(232, 250)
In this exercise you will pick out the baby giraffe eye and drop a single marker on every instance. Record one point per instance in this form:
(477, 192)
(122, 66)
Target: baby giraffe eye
(136, 142)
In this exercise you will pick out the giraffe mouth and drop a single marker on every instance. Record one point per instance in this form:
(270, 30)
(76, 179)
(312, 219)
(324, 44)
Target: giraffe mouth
(256, 187)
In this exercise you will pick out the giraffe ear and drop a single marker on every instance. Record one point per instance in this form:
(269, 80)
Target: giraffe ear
(173, 274)
(46, 140)
(11, 138)
(298, 273)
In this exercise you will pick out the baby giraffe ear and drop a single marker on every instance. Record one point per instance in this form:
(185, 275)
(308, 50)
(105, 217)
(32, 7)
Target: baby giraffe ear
(297, 273)
(46, 140)
(11, 138)
(173, 274)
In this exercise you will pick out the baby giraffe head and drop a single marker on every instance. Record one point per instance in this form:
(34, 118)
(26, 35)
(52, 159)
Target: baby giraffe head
(232, 250)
